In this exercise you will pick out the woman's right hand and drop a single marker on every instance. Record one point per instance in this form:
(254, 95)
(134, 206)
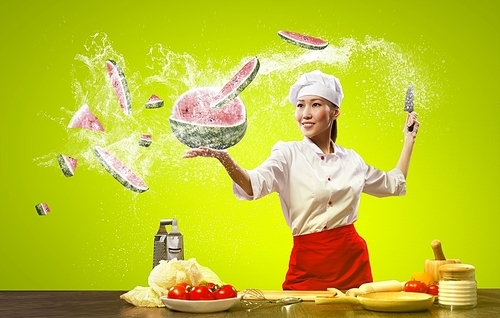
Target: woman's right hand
(205, 152)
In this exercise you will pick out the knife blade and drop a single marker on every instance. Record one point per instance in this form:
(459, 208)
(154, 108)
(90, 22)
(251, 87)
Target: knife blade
(409, 103)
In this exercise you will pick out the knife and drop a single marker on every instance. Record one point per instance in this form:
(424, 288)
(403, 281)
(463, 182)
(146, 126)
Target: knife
(409, 103)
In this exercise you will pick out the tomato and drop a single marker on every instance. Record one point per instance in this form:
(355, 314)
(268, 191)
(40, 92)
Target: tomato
(415, 286)
(433, 289)
(179, 291)
(201, 292)
(212, 286)
(226, 291)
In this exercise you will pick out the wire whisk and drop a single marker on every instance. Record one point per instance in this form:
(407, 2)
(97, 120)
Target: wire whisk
(254, 298)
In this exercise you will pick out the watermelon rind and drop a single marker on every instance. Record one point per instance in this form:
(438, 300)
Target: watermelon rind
(302, 40)
(154, 102)
(145, 141)
(120, 86)
(42, 208)
(84, 118)
(127, 175)
(67, 164)
(216, 137)
(237, 83)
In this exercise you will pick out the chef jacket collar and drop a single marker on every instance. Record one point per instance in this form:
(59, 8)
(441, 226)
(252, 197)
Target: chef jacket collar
(317, 150)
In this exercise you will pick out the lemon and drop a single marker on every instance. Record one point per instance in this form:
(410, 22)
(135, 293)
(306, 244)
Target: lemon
(423, 277)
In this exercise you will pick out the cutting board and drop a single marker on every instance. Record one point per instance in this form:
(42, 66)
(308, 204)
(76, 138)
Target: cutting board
(305, 295)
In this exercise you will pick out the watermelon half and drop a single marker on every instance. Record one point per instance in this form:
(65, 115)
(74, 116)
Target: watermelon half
(120, 86)
(67, 164)
(154, 102)
(84, 118)
(237, 83)
(42, 208)
(195, 123)
(119, 171)
(302, 40)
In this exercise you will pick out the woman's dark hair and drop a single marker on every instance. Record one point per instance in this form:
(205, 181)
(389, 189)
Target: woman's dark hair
(333, 133)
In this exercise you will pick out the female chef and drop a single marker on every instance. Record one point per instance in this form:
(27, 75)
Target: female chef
(319, 184)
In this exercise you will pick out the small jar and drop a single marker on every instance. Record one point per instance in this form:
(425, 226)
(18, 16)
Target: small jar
(457, 286)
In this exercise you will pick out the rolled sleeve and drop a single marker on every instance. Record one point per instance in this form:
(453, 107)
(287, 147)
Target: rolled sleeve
(241, 194)
(383, 184)
(266, 178)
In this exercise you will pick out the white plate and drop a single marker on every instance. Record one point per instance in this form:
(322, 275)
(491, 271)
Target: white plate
(199, 306)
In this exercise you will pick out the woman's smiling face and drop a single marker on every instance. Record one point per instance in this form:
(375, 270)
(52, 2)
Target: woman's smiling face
(315, 115)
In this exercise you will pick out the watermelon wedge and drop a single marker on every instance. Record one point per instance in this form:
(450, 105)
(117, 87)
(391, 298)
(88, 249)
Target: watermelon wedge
(302, 40)
(67, 164)
(195, 123)
(154, 102)
(42, 208)
(237, 83)
(84, 118)
(120, 86)
(119, 171)
(145, 141)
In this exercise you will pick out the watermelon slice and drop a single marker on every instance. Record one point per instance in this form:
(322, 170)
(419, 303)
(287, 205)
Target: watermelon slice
(68, 165)
(120, 86)
(154, 102)
(195, 123)
(237, 83)
(145, 141)
(302, 40)
(119, 171)
(84, 118)
(42, 208)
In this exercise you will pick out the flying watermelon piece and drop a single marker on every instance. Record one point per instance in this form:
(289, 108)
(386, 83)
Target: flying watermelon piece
(195, 123)
(119, 83)
(154, 102)
(237, 83)
(67, 164)
(302, 40)
(84, 118)
(119, 171)
(42, 208)
(145, 140)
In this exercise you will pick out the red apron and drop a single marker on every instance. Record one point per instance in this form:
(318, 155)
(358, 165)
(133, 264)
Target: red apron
(333, 258)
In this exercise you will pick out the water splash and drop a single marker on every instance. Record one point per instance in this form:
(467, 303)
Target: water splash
(380, 71)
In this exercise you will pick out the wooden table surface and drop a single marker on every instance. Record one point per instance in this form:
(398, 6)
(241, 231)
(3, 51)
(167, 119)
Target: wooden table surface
(75, 304)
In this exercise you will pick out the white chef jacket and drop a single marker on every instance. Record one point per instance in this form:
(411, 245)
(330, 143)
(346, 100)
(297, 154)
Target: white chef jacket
(319, 191)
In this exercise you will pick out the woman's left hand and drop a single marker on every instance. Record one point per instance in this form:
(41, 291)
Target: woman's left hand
(411, 121)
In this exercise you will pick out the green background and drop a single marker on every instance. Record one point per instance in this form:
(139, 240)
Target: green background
(99, 235)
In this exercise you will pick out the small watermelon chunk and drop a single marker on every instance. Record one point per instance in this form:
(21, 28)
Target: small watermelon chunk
(67, 164)
(195, 123)
(84, 118)
(42, 208)
(119, 83)
(302, 40)
(154, 102)
(145, 140)
(119, 171)
(237, 83)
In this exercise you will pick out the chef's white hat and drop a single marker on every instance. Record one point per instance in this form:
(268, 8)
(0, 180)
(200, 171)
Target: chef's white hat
(319, 84)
